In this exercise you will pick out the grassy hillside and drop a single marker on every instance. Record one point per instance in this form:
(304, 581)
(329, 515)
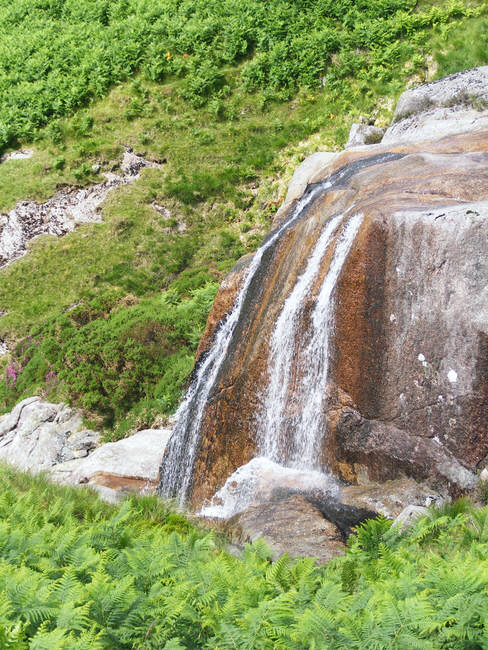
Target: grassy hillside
(78, 574)
(229, 97)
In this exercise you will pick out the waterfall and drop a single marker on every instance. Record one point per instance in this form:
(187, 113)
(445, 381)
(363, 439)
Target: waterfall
(178, 463)
(179, 460)
(282, 350)
(312, 362)
(309, 429)
(290, 451)
(298, 442)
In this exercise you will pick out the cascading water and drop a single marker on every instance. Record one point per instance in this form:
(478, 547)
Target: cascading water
(179, 460)
(305, 428)
(308, 430)
(283, 345)
(177, 469)
(277, 467)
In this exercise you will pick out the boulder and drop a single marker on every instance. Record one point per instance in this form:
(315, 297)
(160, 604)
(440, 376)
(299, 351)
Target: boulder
(131, 464)
(37, 435)
(364, 134)
(290, 524)
(383, 452)
(435, 110)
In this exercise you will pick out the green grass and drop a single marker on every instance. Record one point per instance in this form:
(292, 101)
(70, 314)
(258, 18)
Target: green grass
(56, 56)
(224, 168)
(76, 574)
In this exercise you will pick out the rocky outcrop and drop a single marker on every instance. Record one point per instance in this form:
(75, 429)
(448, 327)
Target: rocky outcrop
(38, 436)
(407, 362)
(455, 104)
(131, 464)
(61, 213)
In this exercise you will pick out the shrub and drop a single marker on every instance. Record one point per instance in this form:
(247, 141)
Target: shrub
(110, 359)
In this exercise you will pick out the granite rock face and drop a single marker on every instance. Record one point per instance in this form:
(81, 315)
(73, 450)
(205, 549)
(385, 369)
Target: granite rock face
(455, 104)
(407, 391)
(38, 436)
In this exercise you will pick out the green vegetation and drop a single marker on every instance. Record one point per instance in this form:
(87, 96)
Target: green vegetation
(229, 97)
(57, 55)
(118, 359)
(76, 573)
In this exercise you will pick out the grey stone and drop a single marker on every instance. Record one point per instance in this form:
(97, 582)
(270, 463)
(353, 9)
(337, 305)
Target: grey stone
(21, 154)
(468, 88)
(454, 104)
(364, 134)
(409, 515)
(129, 463)
(36, 435)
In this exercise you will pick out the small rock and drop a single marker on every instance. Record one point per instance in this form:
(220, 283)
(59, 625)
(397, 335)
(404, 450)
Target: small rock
(22, 154)
(361, 134)
(80, 453)
(96, 168)
(409, 514)
(484, 474)
(34, 436)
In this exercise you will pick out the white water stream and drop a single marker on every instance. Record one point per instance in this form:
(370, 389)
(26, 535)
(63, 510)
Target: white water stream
(177, 469)
(282, 350)
(309, 430)
(276, 466)
(312, 359)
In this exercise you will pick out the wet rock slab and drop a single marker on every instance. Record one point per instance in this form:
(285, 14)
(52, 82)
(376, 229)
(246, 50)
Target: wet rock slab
(290, 524)
(409, 356)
